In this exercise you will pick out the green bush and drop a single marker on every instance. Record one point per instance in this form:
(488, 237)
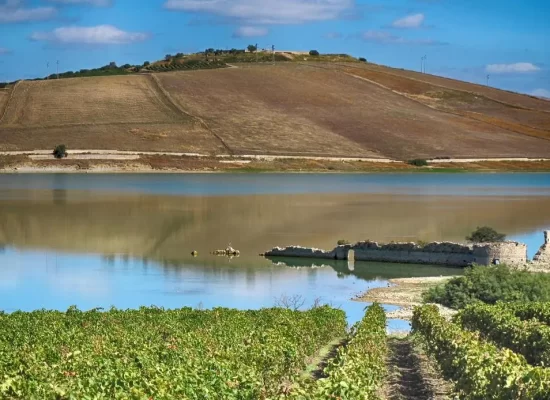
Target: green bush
(362, 59)
(486, 234)
(313, 53)
(60, 151)
(418, 162)
(490, 285)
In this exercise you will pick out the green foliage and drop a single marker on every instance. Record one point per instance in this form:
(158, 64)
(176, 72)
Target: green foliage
(313, 53)
(359, 369)
(343, 242)
(418, 162)
(535, 310)
(490, 285)
(362, 59)
(160, 354)
(252, 48)
(478, 369)
(187, 65)
(146, 63)
(486, 234)
(496, 323)
(60, 151)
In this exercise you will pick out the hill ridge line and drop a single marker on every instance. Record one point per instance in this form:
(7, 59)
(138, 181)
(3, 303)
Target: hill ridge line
(171, 100)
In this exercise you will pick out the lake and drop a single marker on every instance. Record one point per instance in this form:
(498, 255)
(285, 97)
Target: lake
(102, 240)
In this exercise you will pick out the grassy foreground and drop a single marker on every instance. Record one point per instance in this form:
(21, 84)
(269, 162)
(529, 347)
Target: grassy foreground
(153, 353)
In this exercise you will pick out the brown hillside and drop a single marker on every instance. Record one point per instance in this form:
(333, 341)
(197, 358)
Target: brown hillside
(279, 106)
(470, 100)
(4, 96)
(504, 96)
(339, 109)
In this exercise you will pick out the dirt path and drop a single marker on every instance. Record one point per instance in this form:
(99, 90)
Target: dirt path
(407, 293)
(412, 374)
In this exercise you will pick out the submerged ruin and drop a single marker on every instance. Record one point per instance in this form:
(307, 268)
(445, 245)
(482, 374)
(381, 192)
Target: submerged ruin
(436, 253)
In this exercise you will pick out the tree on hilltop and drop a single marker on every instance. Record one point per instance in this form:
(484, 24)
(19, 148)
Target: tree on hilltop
(252, 48)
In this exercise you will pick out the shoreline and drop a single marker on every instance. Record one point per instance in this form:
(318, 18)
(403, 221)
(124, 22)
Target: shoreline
(123, 162)
(405, 293)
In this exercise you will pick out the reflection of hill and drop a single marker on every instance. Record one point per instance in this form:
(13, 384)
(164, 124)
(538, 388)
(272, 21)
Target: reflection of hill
(368, 270)
(169, 227)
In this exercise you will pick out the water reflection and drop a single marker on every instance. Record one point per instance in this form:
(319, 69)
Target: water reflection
(167, 228)
(97, 241)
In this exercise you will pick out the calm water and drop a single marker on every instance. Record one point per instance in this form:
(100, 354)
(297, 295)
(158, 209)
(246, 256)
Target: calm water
(125, 240)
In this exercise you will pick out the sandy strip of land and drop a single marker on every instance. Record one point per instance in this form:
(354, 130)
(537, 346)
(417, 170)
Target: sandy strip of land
(89, 157)
(110, 154)
(473, 160)
(407, 293)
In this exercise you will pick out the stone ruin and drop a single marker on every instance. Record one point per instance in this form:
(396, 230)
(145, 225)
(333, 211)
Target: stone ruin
(437, 253)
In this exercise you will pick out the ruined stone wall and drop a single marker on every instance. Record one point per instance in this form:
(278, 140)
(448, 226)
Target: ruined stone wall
(510, 253)
(437, 253)
(542, 258)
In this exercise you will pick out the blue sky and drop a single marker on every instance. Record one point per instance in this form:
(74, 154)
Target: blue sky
(464, 39)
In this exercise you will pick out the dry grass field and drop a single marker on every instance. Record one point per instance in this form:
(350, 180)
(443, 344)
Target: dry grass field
(118, 112)
(503, 96)
(462, 99)
(4, 96)
(293, 108)
(323, 109)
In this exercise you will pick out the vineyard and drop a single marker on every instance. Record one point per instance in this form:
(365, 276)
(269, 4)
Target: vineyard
(489, 352)
(152, 353)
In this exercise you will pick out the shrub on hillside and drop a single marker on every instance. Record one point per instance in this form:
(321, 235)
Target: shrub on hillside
(362, 59)
(60, 151)
(485, 234)
(313, 53)
(418, 162)
(489, 285)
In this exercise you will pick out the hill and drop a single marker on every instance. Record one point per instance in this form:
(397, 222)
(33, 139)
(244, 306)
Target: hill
(342, 109)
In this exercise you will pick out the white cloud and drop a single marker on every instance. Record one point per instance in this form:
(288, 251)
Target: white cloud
(95, 3)
(3, 50)
(541, 93)
(410, 21)
(101, 34)
(388, 38)
(517, 68)
(267, 11)
(250, 31)
(12, 11)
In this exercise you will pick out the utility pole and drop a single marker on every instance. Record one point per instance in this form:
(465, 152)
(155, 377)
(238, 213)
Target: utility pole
(256, 52)
(48, 70)
(425, 62)
(57, 69)
(273, 51)
(488, 76)
(422, 64)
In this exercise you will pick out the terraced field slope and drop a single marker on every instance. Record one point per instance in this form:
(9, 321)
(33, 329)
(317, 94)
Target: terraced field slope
(118, 112)
(302, 108)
